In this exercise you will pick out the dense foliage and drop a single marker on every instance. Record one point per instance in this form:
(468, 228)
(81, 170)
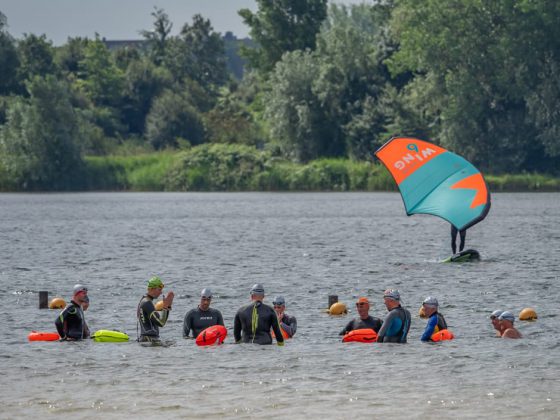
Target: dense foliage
(322, 83)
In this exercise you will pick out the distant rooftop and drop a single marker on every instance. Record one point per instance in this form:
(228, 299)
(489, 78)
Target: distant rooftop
(113, 44)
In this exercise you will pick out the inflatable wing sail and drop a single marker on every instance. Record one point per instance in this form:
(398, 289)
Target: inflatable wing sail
(435, 181)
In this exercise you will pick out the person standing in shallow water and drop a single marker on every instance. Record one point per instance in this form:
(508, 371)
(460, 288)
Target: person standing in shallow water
(397, 323)
(149, 319)
(494, 318)
(506, 324)
(202, 317)
(71, 322)
(436, 321)
(253, 322)
(288, 323)
(365, 320)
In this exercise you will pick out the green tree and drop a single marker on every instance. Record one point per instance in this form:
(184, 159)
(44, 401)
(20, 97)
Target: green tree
(332, 101)
(36, 57)
(231, 121)
(297, 118)
(352, 84)
(280, 26)
(9, 62)
(198, 54)
(484, 61)
(144, 81)
(68, 56)
(100, 77)
(158, 37)
(173, 120)
(39, 143)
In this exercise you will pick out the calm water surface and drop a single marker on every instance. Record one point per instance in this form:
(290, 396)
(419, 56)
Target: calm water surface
(305, 247)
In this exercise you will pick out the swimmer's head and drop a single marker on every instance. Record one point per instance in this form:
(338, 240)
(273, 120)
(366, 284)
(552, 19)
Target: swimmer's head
(206, 293)
(257, 290)
(155, 283)
(79, 288)
(393, 294)
(279, 301)
(431, 301)
(507, 316)
(496, 314)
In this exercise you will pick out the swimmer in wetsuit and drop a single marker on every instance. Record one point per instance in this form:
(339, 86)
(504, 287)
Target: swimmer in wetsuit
(436, 321)
(253, 322)
(202, 317)
(71, 323)
(149, 319)
(397, 323)
(287, 323)
(462, 235)
(364, 321)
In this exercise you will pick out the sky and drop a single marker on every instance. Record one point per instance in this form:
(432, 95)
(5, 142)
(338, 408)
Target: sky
(118, 19)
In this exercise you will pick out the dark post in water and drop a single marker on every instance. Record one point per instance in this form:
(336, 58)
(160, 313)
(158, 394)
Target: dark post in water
(43, 300)
(332, 299)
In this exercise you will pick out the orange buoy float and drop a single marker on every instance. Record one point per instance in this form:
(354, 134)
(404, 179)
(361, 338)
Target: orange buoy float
(216, 334)
(338, 308)
(442, 335)
(159, 305)
(57, 303)
(363, 335)
(43, 336)
(284, 334)
(528, 314)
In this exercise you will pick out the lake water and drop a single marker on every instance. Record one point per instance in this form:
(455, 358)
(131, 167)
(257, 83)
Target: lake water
(305, 247)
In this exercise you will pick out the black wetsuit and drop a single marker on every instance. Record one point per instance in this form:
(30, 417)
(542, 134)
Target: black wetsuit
(462, 236)
(395, 326)
(289, 324)
(198, 320)
(71, 323)
(253, 322)
(359, 323)
(149, 319)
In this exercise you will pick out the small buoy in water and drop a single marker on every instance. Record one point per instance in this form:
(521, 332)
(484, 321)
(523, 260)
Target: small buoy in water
(528, 314)
(338, 308)
(57, 303)
(159, 305)
(421, 312)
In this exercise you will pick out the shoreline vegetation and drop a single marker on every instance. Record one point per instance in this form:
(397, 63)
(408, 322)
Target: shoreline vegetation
(317, 88)
(234, 168)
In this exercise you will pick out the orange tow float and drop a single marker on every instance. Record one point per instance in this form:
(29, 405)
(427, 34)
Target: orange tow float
(284, 334)
(43, 336)
(216, 334)
(442, 335)
(363, 335)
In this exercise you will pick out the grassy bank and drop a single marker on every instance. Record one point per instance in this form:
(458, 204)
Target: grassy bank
(230, 168)
(219, 167)
(242, 168)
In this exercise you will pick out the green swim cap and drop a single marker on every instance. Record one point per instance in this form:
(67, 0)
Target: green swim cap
(155, 282)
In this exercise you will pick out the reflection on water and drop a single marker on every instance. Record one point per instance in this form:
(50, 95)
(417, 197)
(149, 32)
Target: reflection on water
(305, 247)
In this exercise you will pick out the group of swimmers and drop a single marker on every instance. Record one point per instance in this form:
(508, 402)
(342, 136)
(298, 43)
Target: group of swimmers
(503, 324)
(259, 323)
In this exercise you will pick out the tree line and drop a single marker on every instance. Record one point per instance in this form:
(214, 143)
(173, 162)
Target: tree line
(320, 81)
